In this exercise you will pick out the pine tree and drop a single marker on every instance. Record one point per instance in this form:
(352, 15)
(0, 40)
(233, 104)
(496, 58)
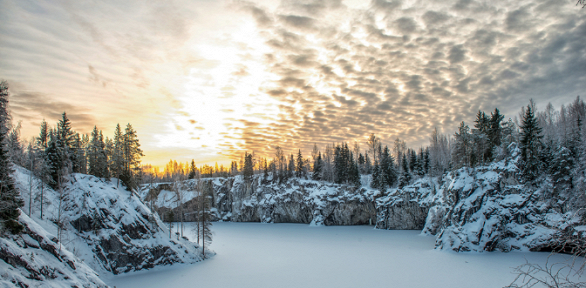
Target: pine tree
(15, 149)
(420, 171)
(495, 130)
(426, 161)
(354, 173)
(93, 154)
(560, 169)
(387, 170)
(299, 167)
(376, 177)
(317, 167)
(117, 154)
(43, 135)
(43, 171)
(463, 147)
(247, 171)
(361, 164)
(103, 157)
(530, 144)
(340, 165)
(412, 161)
(405, 176)
(131, 158)
(192, 170)
(55, 156)
(10, 199)
(481, 136)
(367, 165)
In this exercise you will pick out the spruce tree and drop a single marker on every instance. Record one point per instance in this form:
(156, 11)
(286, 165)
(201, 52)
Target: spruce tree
(131, 153)
(412, 161)
(192, 170)
(361, 163)
(317, 167)
(387, 170)
(376, 177)
(93, 154)
(367, 165)
(462, 149)
(247, 171)
(54, 154)
(560, 169)
(117, 154)
(530, 144)
(495, 129)
(10, 199)
(405, 176)
(426, 161)
(299, 167)
(353, 173)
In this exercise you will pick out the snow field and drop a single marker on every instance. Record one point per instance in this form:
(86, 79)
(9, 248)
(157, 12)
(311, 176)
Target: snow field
(298, 255)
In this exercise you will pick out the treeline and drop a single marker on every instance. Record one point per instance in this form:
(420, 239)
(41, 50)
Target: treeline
(174, 171)
(550, 144)
(57, 152)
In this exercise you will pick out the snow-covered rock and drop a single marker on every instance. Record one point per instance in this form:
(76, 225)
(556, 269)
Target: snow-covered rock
(487, 208)
(107, 226)
(296, 201)
(35, 259)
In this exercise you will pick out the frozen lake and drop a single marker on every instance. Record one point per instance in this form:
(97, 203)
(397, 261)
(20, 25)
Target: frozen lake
(297, 255)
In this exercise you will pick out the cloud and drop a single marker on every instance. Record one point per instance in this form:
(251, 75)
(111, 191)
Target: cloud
(32, 106)
(299, 22)
(95, 78)
(295, 72)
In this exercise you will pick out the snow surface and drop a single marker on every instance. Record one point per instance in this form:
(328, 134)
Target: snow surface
(298, 255)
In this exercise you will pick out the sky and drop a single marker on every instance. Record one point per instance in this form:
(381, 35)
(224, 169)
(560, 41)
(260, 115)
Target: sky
(208, 80)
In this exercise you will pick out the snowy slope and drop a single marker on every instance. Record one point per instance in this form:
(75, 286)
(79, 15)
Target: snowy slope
(34, 259)
(109, 228)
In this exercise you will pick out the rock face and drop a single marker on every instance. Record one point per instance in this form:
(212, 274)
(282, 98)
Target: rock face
(407, 208)
(487, 208)
(296, 201)
(118, 232)
(34, 259)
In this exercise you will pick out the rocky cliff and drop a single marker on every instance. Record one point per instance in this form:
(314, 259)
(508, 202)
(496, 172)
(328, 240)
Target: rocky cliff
(484, 208)
(107, 226)
(491, 208)
(295, 201)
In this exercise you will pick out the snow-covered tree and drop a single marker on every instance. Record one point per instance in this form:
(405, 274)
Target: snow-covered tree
(530, 144)
(10, 199)
(299, 165)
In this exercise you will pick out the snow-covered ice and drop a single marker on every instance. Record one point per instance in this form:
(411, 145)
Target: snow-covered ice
(297, 255)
